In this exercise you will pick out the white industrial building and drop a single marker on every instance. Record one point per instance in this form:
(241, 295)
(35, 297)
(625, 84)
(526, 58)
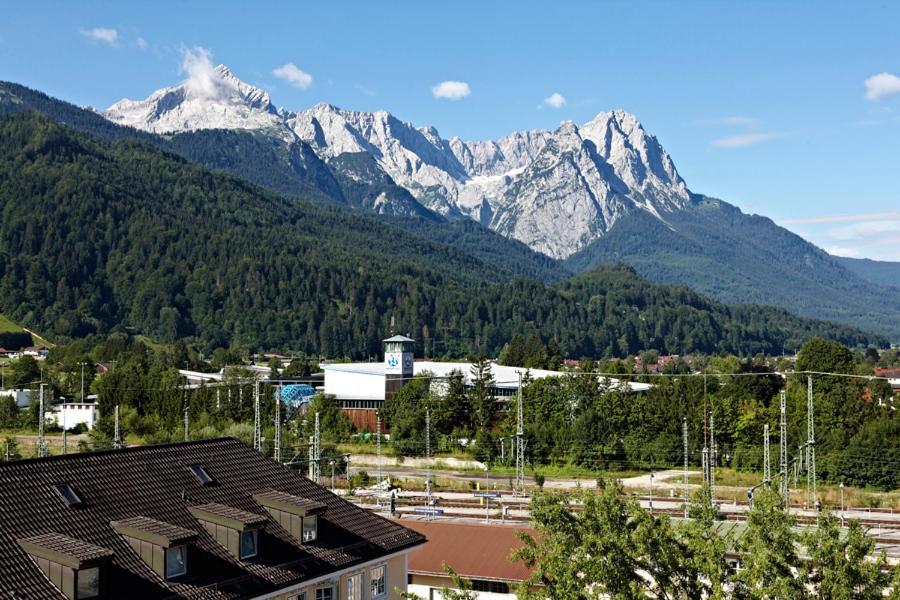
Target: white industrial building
(362, 388)
(22, 397)
(71, 414)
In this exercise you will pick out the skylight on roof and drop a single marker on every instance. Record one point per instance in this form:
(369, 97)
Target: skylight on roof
(67, 494)
(201, 474)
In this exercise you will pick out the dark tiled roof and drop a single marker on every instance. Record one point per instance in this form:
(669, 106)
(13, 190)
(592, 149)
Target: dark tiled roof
(151, 530)
(64, 549)
(233, 517)
(290, 503)
(154, 482)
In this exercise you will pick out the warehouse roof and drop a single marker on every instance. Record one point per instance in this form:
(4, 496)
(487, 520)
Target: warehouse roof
(156, 484)
(473, 551)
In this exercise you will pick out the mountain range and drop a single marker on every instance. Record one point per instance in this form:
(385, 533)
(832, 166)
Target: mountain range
(601, 192)
(103, 235)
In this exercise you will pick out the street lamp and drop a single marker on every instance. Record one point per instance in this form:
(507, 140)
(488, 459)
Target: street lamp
(651, 493)
(332, 475)
(842, 503)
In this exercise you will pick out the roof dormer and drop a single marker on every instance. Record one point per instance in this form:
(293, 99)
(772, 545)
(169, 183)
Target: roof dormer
(234, 529)
(299, 516)
(77, 568)
(163, 546)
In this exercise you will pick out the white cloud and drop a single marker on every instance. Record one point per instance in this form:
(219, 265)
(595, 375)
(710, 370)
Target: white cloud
(555, 100)
(294, 75)
(451, 90)
(202, 80)
(745, 139)
(881, 86)
(141, 43)
(850, 218)
(102, 34)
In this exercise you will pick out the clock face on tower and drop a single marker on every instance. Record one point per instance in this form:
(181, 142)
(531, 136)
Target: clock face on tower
(408, 362)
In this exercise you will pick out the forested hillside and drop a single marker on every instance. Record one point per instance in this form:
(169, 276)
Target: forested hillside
(716, 249)
(876, 271)
(293, 170)
(98, 236)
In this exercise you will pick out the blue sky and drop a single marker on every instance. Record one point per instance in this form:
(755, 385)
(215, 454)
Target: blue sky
(762, 104)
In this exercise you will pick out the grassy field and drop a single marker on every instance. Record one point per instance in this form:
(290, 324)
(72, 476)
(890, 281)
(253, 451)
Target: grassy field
(829, 494)
(7, 326)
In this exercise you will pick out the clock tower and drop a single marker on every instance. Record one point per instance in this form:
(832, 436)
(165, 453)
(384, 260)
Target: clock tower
(398, 363)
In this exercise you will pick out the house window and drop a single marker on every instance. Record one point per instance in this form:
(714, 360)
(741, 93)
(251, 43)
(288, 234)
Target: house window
(377, 582)
(310, 528)
(249, 543)
(325, 593)
(176, 561)
(496, 587)
(299, 596)
(355, 587)
(88, 583)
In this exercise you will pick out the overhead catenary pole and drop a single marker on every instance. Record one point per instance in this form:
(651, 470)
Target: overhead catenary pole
(117, 436)
(714, 458)
(767, 464)
(278, 424)
(257, 425)
(187, 432)
(810, 445)
(684, 435)
(782, 450)
(42, 443)
(378, 485)
(428, 459)
(520, 443)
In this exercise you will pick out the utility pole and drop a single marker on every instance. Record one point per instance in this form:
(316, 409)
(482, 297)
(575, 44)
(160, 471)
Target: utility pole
(42, 444)
(519, 488)
(782, 450)
(257, 425)
(278, 424)
(218, 399)
(767, 465)
(810, 445)
(117, 435)
(684, 435)
(428, 459)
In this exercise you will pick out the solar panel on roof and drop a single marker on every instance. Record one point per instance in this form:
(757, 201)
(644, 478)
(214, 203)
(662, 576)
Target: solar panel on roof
(201, 474)
(67, 494)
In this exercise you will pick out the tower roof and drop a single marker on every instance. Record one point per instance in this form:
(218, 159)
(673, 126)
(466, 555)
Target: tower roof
(399, 338)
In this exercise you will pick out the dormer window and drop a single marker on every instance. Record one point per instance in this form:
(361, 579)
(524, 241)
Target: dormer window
(176, 562)
(75, 567)
(163, 546)
(249, 544)
(234, 529)
(310, 528)
(299, 516)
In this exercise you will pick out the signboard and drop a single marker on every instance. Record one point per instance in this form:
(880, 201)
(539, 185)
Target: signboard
(398, 363)
(429, 511)
(487, 494)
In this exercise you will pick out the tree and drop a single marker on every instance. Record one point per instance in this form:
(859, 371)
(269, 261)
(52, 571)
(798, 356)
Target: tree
(823, 355)
(770, 564)
(707, 546)
(24, 371)
(481, 394)
(838, 567)
(610, 548)
(334, 424)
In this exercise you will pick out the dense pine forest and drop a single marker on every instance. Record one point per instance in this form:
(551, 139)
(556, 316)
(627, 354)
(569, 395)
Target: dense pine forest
(99, 236)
